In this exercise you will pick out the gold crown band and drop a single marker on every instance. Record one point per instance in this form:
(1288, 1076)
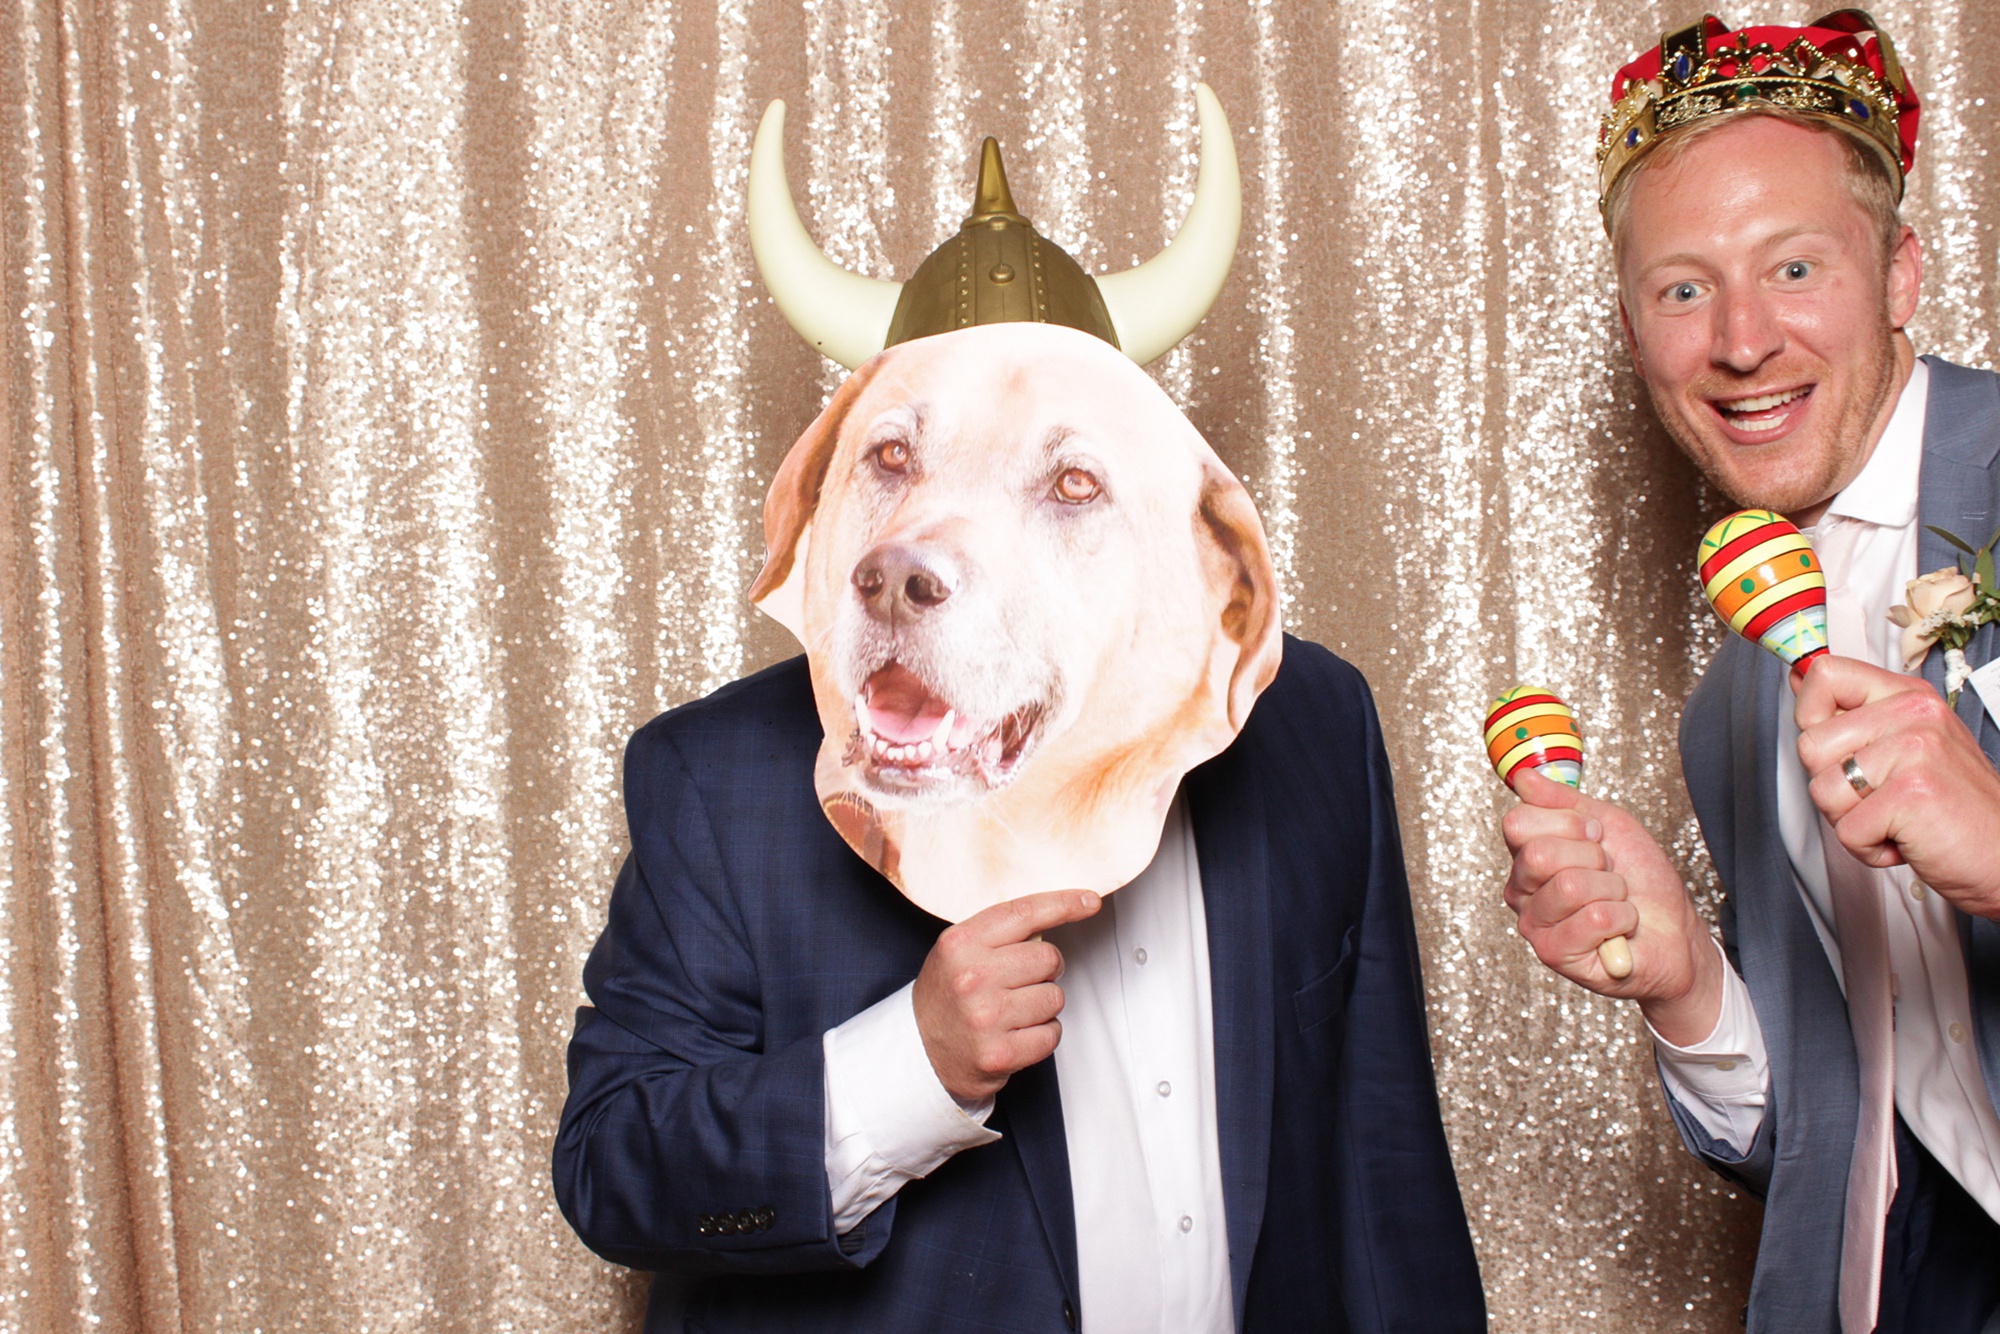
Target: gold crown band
(1800, 78)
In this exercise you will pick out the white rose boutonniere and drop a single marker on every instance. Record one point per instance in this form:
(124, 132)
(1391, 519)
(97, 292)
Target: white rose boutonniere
(1947, 607)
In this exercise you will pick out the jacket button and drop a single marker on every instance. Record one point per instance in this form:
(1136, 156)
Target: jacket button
(765, 1218)
(705, 1225)
(1069, 1314)
(746, 1220)
(725, 1225)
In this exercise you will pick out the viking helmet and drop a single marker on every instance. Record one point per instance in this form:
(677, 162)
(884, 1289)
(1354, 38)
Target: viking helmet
(997, 267)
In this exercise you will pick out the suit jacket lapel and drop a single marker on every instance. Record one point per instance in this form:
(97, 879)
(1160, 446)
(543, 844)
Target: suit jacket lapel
(1032, 1105)
(1234, 853)
(1781, 955)
(1959, 490)
(1814, 1081)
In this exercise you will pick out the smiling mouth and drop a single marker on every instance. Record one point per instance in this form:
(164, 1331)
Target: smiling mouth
(1761, 414)
(910, 739)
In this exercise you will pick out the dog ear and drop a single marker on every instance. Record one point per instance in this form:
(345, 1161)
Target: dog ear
(778, 590)
(1250, 611)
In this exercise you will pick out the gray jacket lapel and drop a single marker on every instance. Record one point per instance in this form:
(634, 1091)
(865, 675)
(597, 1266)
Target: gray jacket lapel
(1729, 737)
(1959, 490)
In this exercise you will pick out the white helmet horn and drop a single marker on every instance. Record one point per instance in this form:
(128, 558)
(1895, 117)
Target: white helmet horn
(1159, 303)
(843, 314)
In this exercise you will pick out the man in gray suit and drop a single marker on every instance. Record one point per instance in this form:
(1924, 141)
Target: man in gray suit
(1839, 1054)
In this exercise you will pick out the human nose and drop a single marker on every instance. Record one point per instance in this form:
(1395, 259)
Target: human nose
(1747, 331)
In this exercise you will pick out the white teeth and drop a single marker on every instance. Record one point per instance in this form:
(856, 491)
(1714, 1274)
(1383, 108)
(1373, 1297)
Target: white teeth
(1763, 402)
(861, 718)
(924, 750)
(942, 736)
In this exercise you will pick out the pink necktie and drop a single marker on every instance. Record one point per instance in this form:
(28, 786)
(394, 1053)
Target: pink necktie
(1860, 924)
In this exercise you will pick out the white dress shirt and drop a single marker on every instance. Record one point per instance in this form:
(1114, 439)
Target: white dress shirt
(1722, 1080)
(1136, 1067)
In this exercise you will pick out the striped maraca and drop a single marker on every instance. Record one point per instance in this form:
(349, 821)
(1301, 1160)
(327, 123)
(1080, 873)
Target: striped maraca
(1532, 728)
(1761, 576)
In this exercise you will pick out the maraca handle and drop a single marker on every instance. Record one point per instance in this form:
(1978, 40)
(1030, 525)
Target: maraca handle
(1616, 956)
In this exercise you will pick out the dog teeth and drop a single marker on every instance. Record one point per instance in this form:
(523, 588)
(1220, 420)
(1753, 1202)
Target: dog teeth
(942, 737)
(861, 718)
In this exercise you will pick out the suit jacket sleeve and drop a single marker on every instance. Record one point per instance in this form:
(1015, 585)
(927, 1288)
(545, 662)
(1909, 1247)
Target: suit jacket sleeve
(679, 1114)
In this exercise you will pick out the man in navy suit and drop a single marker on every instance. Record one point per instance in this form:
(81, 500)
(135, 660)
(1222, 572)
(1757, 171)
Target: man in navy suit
(742, 931)
(1840, 1055)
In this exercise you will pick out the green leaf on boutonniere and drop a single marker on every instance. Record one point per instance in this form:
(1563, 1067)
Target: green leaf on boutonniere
(1954, 539)
(1983, 570)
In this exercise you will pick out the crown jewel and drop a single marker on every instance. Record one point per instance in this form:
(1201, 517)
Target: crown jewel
(1841, 68)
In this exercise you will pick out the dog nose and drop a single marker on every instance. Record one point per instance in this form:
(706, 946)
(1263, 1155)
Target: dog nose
(897, 577)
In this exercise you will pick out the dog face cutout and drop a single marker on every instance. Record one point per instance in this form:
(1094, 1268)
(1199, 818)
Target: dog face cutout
(1031, 597)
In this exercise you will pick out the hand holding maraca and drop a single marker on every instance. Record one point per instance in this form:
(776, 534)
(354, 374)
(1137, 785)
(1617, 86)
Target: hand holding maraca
(1594, 895)
(1585, 870)
(1892, 768)
(1528, 728)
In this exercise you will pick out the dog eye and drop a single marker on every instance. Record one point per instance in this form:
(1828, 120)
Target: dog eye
(1076, 487)
(893, 456)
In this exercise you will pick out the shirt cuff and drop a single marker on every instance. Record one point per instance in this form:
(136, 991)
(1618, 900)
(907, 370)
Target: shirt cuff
(889, 1120)
(1721, 1081)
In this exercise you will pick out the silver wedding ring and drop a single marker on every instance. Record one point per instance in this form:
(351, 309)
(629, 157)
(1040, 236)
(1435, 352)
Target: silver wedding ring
(1855, 778)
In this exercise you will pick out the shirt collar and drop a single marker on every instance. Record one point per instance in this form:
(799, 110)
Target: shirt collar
(1885, 491)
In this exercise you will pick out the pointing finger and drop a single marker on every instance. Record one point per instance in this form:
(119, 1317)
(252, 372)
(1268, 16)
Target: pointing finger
(1019, 919)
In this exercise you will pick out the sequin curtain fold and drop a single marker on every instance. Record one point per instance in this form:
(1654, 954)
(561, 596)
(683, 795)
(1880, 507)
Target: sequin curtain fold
(387, 404)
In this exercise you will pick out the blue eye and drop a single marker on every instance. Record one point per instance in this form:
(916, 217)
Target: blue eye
(1682, 292)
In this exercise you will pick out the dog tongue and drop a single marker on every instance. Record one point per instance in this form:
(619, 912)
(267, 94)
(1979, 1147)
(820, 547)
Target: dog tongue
(900, 708)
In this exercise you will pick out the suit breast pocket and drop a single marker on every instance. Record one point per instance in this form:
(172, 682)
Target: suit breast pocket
(1325, 997)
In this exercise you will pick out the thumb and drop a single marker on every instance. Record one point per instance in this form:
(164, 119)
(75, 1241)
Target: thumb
(1537, 789)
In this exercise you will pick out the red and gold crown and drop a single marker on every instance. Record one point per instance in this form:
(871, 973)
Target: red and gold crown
(1841, 68)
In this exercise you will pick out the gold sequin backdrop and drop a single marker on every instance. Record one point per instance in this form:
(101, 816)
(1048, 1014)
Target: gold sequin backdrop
(388, 400)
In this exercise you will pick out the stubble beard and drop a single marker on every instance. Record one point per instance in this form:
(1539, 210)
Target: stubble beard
(1818, 473)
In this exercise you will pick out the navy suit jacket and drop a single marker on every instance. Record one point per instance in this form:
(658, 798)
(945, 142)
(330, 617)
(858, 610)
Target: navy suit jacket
(742, 929)
(1729, 736)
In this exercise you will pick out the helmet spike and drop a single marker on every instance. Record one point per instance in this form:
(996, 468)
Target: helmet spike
(993, 198)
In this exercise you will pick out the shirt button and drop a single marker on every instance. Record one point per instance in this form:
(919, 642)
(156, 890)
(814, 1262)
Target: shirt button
(1918, 890)
(1164, 1089)
(1139, 955)
(1957, 1031)
(1725, 1065)
(1187, 1223)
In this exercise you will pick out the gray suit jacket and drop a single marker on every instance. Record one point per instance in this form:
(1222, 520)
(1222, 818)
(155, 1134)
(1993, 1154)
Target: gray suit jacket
(1728, 736)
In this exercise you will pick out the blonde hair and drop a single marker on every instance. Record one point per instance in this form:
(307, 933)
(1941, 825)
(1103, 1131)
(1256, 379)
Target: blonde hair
(1869, 178)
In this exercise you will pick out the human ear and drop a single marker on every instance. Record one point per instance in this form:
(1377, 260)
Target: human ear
(1631, 339)
(1906, 277)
